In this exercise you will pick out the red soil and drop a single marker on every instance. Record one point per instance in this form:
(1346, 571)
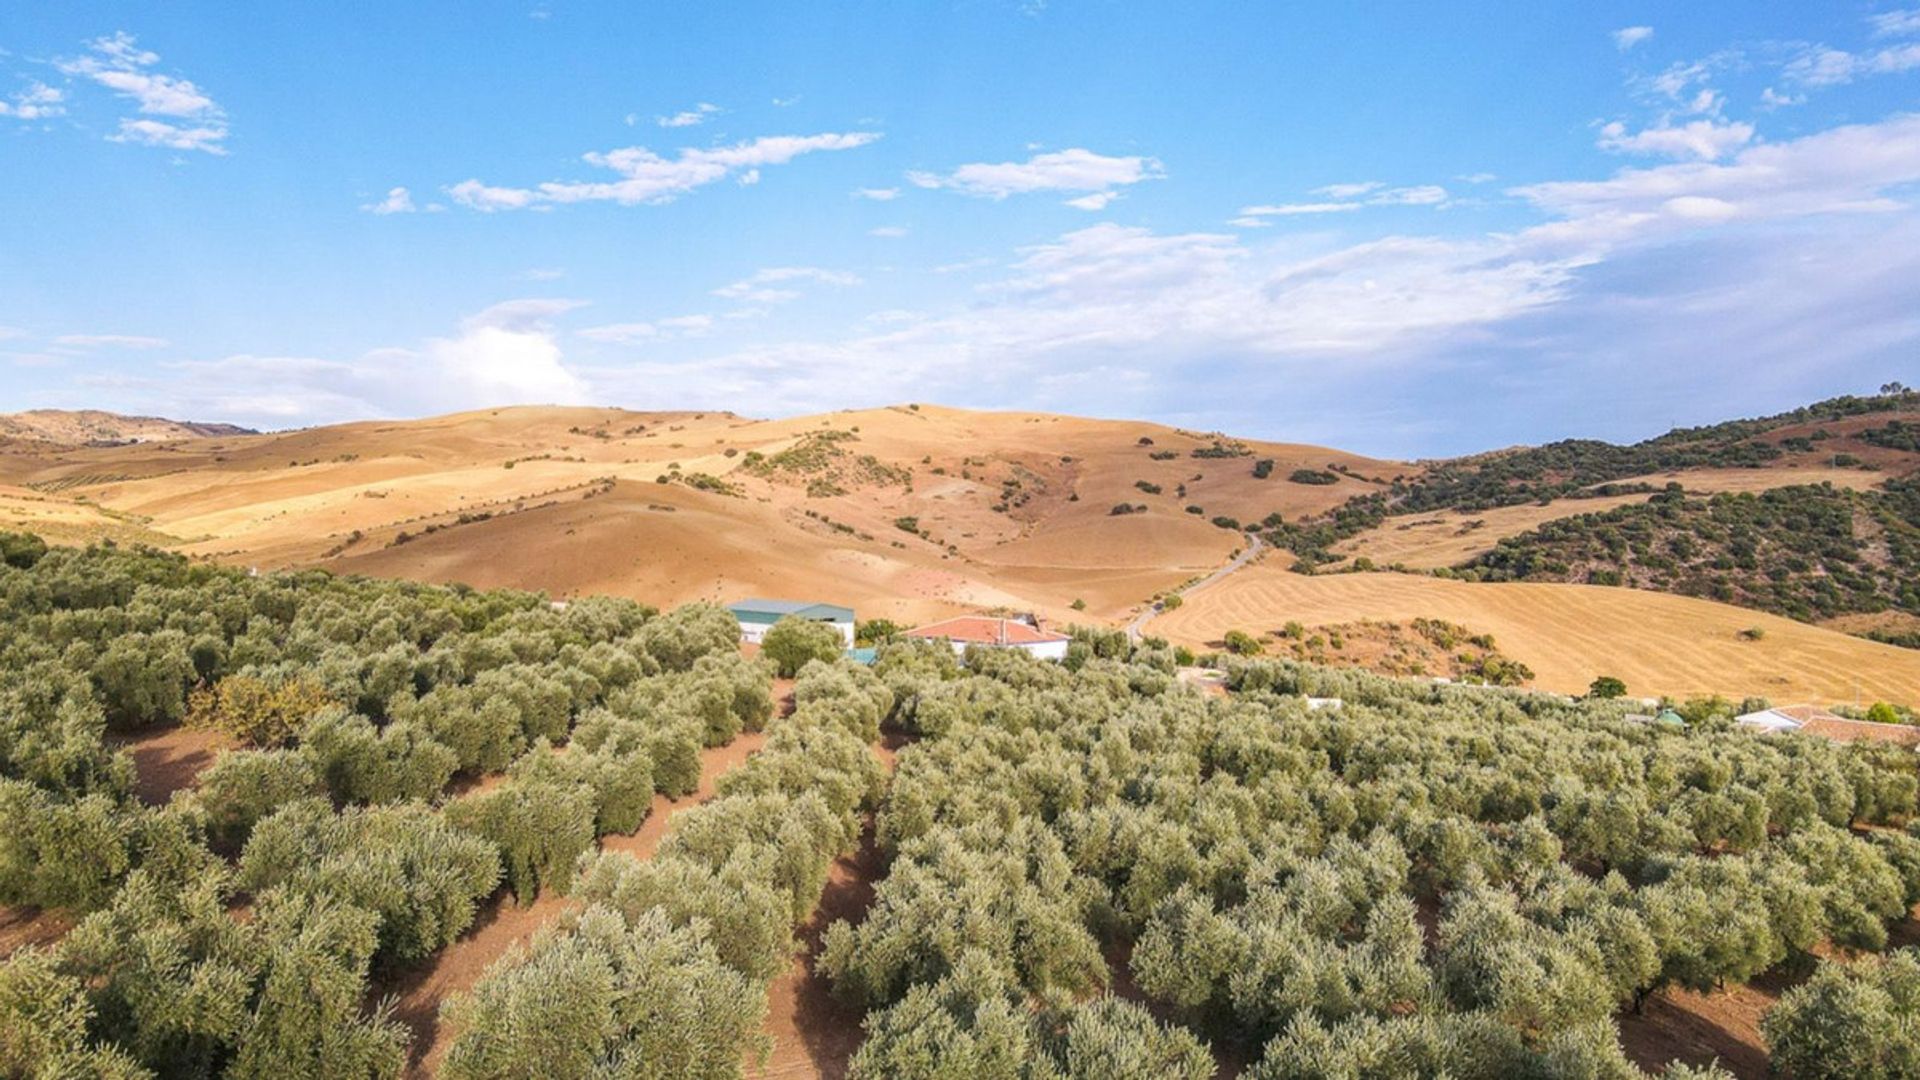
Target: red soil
(24, 926)
(419, 992)
(1698, 1029)
(814, 1033)
(169, 759)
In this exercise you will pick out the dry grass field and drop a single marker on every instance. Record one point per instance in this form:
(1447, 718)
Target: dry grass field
(1449, 538)
(1008, 509)
(1659, 644)
(910, 512)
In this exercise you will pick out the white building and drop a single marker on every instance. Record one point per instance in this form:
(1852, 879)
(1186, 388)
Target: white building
(758, 616)
(995, 633)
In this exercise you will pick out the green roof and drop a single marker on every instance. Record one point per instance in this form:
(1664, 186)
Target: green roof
(770, 611)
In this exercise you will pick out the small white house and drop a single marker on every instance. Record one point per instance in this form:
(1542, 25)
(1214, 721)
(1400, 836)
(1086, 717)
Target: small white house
(758, 616)
(995, 633)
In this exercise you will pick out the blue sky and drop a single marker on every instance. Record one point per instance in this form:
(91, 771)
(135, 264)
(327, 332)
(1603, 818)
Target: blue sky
(1409, 229)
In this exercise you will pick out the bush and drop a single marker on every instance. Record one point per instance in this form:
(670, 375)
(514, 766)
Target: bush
(1241, 643)
(405, 863)
(643, 998)
(1606, 687)
(793, 642)
(258, 712)
(1317, 477)
(241, 787)
(1849, 1020)
(539, 828)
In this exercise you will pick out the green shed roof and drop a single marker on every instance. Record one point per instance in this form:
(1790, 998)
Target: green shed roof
(767, 611)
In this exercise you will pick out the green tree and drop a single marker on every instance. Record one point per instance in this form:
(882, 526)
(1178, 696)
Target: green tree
(794, 642)
(1607, 686)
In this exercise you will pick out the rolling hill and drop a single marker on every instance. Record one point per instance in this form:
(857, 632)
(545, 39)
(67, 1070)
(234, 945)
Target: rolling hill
(914, 512)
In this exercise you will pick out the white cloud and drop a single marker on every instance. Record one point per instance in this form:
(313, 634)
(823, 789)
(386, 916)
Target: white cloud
(1348, 191)
(647, 177)
(398, 201)
(1062, 170)
(1821, 66)
(1773, 99)
(1290, 209)
(1701, 140)
(1347, 195)
(1841, 170)
(542, 273)
(1628, 36)
(1423, 195)
(689, 118)
(120, 65)
(781, 103)
(754, 289)
(885, 194)
(37, 102)
(1895, 23)
(629, 333)
(1096, 201)
(889, 231)
(1477, 178)
(1250, 222)
(110, 341)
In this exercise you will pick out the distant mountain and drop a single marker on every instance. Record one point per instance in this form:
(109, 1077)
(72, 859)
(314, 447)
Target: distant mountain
(93, 427)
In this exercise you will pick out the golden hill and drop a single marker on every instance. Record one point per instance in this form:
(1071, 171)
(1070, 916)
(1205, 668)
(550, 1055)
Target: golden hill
(907, 512)
(83, 426)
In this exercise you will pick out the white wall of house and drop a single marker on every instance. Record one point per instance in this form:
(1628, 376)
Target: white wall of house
(752, 632)
(1045, 650)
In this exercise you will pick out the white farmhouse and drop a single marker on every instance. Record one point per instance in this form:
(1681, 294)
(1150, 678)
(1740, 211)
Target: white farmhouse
(987, 632)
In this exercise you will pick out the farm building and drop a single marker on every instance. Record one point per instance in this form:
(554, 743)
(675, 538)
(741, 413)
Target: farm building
(758, 616)
(1818, 722)
(995, 633)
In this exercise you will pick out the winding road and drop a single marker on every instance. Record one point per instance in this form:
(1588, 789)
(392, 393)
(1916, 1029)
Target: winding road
(1247, 554)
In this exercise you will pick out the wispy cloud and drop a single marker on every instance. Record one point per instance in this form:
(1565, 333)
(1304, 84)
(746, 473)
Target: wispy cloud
(647, 177)
(1341, 199)
(1628, 36)
(1901, 23)
(1701, 140)
(194, 121)
(109, 341)
(756, 288)
(1820, 66)
(1075, 170)
(629, 333)
(888, 231)
(881, 194)
(688, 118)
(37, 102)
(398, 201)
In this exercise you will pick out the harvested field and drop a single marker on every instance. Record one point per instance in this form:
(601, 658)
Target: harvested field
(1568, 634)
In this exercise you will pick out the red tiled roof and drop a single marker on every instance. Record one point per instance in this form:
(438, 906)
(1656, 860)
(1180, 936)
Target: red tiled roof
(1840, 729)
(981, 630)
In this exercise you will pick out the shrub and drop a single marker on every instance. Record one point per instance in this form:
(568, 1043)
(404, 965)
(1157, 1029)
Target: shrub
(405, 863)
(1605, 687)
(1241, 643)
(539, 828)
(643, 997)
(258, 712)
(792, 642)
(241, 787)
(1263, 468)
(1849, 1020)
(1317, 477)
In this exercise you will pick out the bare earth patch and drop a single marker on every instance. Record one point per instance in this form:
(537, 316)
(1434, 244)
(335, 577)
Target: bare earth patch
(21, 927)
(166, 760)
